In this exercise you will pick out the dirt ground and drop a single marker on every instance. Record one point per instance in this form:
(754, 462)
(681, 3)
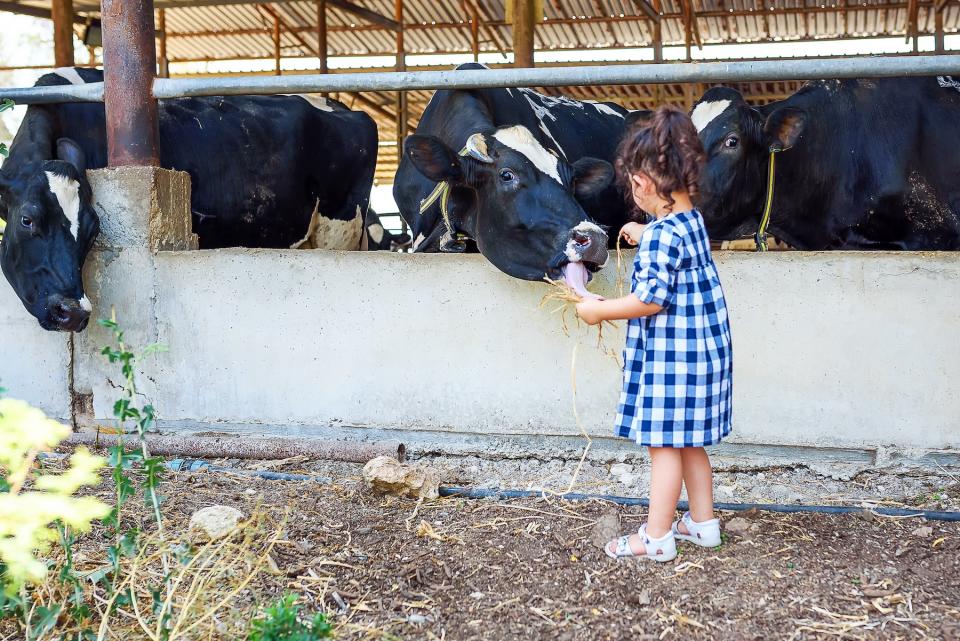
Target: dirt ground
(457, 569)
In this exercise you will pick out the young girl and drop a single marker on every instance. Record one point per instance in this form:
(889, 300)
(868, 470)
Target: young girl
(677, 378)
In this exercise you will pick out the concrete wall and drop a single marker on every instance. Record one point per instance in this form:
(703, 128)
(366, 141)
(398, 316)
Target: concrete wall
(831, 350)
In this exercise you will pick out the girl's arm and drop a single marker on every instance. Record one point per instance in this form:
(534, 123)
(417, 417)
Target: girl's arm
(596, 311)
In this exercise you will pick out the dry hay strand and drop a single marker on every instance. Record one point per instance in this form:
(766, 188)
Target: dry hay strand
(207, 594)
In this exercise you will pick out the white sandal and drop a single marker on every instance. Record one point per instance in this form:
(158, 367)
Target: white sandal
(659, 550)
(704, 533)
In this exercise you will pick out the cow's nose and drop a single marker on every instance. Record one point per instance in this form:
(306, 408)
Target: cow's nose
(588, 244)
(67, 314)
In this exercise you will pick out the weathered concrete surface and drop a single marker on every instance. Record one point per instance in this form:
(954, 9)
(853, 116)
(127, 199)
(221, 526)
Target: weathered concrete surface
(838, 350)
(143, 207)
(34, 364)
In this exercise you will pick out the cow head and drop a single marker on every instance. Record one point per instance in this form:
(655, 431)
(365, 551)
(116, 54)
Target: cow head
(738, 139)
(517, 200)
(50, 227)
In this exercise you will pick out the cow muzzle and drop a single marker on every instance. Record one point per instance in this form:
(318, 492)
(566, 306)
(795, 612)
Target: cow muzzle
(587, 244)
(65, 314)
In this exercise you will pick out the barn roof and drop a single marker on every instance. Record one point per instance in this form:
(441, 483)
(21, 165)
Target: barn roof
(222, 30)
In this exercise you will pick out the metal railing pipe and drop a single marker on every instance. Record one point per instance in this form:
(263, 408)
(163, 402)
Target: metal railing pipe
(558, 76)
(706, 72)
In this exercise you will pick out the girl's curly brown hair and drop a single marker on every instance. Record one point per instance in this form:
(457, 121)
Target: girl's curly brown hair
(666, 148)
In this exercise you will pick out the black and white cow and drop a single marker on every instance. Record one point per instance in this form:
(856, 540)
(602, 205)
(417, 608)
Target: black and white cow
(261, 169)
(867, 164)
(529, 178)
(379, 238)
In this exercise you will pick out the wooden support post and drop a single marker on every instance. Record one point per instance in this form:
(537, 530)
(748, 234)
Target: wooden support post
(523, 27)
(687, 29)
(62, 14)
(401, 65)
(164, 61)
(276, 44)
(322, 35)
(475, 30)
(938, 31)
(657, 34)
(130, 61)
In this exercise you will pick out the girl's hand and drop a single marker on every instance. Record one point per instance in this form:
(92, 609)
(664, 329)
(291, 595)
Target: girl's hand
(589, 311)
(631, 233)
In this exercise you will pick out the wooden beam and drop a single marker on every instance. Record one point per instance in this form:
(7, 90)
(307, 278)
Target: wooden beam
(523, 28)
(322, 35)
(285, 26)
(474, 29)
(401, 65)
(62, 14)
(164, 61)
(276, 45)
(366, 14)
(938, 38)
(647, 9)
(35, 12)
(657, 34)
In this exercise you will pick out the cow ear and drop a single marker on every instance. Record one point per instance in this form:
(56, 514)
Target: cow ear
(432, 158)
(639, 118)
(784, 127)
(70, 151)
(591, 176)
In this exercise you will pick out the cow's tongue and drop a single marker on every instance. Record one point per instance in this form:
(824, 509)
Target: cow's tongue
(575, 275)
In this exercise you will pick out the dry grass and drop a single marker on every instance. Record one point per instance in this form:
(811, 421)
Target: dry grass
(204, 597)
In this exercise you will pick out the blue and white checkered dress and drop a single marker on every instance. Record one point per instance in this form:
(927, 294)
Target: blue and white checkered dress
(678, 364)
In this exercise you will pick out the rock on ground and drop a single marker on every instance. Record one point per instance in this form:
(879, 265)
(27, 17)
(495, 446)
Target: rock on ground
(214, 522)
(387, 475)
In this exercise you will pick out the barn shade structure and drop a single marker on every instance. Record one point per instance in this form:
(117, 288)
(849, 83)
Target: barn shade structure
(316, 30)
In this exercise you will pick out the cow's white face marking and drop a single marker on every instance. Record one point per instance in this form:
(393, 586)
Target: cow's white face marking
(521, 140)
(540, 105)
(70, 75)
(376, 232)
(67, 192)
(705, 113)
(85, 304)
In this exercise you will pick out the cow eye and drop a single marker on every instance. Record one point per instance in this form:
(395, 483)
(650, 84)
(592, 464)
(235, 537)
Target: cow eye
(26, 222)
(507, 175)
(732, 142)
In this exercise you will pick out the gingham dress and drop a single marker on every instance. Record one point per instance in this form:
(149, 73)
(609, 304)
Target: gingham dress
(678, 365)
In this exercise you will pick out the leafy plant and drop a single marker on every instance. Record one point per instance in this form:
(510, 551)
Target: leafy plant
(5, 104)
(28, 516)
(281, 622)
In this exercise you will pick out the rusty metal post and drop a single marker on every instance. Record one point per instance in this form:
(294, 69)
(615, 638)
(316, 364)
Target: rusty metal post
(276, 44)
(322, 35)
(130, 64)
(523, 26)
(62, 14)
(164, 61)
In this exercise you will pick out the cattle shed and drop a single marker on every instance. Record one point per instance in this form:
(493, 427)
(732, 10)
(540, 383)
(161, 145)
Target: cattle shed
(446, 351)
(222, 37)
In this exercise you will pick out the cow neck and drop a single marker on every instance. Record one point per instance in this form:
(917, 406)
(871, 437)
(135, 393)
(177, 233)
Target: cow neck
(34, 141)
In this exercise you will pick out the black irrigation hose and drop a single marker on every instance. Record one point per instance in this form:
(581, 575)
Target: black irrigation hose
(733, 507)
(190, 465)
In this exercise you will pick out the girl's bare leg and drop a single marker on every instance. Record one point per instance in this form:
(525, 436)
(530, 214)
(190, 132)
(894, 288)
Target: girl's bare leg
(698, 478)
(666, 479)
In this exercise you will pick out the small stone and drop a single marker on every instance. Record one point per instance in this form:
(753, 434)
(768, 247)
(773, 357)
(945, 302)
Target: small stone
(476, 595)
(416, 619)
(922, 532)
(214, 522)
(737, 525)
(644, 597)
(619, 469)
(606, 528)
(250, 491)
(387, 475)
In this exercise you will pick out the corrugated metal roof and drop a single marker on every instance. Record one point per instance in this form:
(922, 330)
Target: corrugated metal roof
(205, 32)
